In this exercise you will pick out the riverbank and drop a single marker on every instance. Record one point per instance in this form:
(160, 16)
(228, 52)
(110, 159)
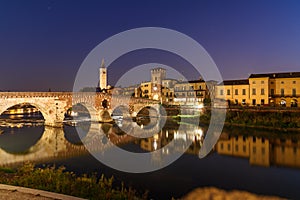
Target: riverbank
(60, 181)
(28, 183)
(282, 120)
(8, 192)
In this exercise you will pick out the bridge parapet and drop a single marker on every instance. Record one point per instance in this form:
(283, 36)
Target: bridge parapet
(33, 94)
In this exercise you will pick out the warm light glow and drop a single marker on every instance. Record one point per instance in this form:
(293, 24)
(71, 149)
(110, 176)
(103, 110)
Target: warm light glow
(134, 114)
(155, 97)
(155, 144)
(178, 136)
(199, 134)
(73, 114)
(199, 106)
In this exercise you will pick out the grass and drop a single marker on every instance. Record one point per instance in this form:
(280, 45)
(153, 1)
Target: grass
(60, 181)
(6, 170)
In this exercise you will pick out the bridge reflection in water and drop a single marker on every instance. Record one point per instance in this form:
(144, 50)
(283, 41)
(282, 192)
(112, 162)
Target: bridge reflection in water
(56, 143)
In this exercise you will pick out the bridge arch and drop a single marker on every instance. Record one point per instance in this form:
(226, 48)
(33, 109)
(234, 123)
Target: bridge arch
(93, 114)
(148, 110)
(40, 107)
(120, 110)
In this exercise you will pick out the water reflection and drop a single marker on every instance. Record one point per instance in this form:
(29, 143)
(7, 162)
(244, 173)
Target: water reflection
(263, 151)
(21, 120)
(19, 141)
(228, 167)
(43, 143)
(50, 145)
(191, 133)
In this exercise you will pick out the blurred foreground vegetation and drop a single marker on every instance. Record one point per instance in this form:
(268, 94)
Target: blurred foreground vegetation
(60, 181)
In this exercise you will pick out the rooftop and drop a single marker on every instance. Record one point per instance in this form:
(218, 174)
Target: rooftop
(192, 81)
(235, 82)
(276, 75)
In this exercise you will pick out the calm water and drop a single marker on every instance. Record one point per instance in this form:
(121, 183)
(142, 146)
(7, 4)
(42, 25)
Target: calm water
(246, 159)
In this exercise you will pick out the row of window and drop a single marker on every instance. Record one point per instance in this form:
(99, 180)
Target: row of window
(282, 92)
(168, 94)
(185, 94)
(262, 92)
(236, 92)
(272, 82)
(182, 88)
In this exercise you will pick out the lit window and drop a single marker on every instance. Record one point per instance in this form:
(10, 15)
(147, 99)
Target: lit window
(244, 91)
(294, 92)
(228, 92)
(282, 92)
(236, 92)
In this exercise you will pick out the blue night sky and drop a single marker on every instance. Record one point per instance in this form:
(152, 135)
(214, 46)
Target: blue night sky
(43, 43)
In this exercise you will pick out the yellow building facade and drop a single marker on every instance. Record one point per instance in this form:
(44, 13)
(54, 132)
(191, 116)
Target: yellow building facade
(146, 88)
(274, 89)
(234, 92)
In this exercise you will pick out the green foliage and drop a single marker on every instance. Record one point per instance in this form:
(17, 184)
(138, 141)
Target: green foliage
(6, 170)
(246, 117)
(59, 181)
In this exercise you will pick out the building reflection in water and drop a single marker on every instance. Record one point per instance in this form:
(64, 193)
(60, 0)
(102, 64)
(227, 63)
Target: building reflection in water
(263, 151)
(181, 138)
(273, 149)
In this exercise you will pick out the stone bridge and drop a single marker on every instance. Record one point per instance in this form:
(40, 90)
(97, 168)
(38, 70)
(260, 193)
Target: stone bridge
(54, 105)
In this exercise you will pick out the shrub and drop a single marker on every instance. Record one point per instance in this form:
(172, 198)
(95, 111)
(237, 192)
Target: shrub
(58, 180)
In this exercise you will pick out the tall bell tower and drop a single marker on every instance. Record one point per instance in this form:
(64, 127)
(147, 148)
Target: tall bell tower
(102, 76)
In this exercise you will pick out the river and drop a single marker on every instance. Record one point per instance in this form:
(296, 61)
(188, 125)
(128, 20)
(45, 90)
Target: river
(258, 161)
